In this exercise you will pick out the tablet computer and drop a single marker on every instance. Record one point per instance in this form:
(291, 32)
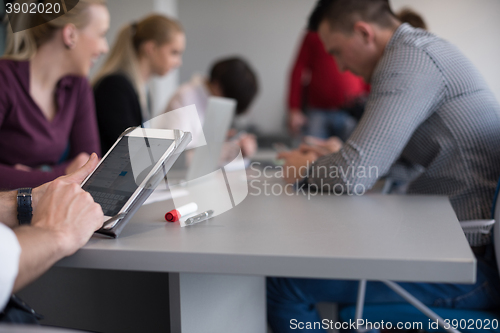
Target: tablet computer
(130, 171)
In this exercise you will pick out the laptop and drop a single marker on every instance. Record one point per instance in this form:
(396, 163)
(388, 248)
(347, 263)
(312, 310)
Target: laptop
(205, 159)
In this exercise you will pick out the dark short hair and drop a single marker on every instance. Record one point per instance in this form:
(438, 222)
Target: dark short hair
(237, 80)
(317, 14)
(343, 14)
(408, 15)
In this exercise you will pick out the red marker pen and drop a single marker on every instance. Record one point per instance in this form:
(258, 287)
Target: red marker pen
(176, 214)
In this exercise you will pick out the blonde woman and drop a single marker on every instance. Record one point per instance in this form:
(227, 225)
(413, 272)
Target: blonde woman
(47, 117)
(152, 46)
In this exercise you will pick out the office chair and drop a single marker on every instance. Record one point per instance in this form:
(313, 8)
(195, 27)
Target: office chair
(418, 312)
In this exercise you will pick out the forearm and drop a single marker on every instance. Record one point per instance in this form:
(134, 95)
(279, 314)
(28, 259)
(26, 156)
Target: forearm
(8, 208)
(64, 219)
(349, 169)
(301, 64)
(12, 178)
(40, 250)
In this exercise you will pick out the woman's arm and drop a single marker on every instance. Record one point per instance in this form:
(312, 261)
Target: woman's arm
(12, 178)
(300, 65)
(297, 118)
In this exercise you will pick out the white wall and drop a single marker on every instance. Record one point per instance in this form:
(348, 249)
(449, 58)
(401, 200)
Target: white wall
(473, 26)
(266, 32)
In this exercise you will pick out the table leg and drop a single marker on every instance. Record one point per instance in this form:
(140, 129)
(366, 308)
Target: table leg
(217, 303)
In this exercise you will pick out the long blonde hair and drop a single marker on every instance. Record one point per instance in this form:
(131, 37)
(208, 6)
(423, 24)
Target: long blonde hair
(23, 45)
(124, 55)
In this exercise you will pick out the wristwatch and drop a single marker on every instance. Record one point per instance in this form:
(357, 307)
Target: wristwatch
(24, 209)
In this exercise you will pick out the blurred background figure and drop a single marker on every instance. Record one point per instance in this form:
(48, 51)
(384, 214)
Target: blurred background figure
(230, 78)
(407, 15)
(319, 92)
(47, 118)
(150, 47)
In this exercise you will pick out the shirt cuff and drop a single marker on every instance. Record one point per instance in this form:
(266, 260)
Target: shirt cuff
(10, 251)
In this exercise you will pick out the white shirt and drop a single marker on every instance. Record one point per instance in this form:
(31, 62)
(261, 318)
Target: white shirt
(10, 250)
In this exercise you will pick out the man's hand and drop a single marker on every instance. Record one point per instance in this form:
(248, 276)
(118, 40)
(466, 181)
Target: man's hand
(334, 144)
(77, 163)
(321, 147)
(69, 213)
(296, 164)
(248, 144)
(77, 177)
(296, 121)
(318, 150)
(64, 219)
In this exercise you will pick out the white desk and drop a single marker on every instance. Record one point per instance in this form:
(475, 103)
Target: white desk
(374, 237)
(403, 238)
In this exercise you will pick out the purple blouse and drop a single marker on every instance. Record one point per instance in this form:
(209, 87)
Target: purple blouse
(27, 137)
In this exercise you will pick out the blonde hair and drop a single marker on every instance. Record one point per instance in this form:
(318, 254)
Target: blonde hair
(124, 55)
(23, 45)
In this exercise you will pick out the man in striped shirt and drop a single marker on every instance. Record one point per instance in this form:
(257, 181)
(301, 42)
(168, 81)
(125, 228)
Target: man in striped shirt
(430, 118)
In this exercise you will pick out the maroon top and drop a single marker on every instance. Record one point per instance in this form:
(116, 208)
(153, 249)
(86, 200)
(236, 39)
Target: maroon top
(28, 137)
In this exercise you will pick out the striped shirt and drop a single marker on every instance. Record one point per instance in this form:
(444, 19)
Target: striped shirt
(430, 118)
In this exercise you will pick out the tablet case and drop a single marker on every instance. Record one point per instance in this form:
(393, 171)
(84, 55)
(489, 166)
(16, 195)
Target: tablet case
(124, 217)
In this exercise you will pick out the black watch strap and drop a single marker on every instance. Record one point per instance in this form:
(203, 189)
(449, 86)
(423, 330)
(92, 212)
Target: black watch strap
(24, 208)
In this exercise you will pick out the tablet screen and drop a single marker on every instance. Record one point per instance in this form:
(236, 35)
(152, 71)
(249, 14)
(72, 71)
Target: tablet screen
(113, 182)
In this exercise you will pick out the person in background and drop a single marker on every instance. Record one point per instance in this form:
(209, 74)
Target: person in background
(333, 144)
(64, 218)
(47, 118)
(328, 91)
(407, 15)
(150, 47)
(231, 78)
(430, 118)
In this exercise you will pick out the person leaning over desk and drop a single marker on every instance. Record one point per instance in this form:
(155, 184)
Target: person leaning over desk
(64, 218)
(47, 119)
(430, 118)
(326, 93)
